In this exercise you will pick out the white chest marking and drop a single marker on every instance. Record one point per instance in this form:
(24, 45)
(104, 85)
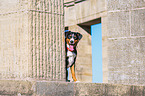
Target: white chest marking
(71, 56)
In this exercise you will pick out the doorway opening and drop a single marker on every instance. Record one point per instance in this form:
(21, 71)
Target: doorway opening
(94, 28)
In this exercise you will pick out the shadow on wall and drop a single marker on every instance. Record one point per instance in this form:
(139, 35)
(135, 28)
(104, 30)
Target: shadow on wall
(72, 3)
(87, 25)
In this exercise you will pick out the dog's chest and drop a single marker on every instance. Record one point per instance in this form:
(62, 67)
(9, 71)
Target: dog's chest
(71, 54)
(71, 58)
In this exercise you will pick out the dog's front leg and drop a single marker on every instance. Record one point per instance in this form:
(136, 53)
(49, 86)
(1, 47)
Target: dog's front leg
(73, 72)
(67, 80)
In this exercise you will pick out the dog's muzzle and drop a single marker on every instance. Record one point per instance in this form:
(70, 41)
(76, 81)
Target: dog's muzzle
(71, 42)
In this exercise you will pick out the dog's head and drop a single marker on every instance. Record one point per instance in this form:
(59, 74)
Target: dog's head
(72, 38)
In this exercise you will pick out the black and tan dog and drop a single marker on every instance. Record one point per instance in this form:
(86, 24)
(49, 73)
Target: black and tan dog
(71, 41)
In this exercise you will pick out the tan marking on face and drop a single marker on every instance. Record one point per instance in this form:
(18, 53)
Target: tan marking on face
(75, 42)
(67, 41)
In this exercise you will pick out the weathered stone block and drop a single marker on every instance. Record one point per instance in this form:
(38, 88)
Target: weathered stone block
(45, 88)
(89, 89)
(54, 89)
(137, 24)
(138, 91)
(118, 24)
(15, 45)
(118, 90)
(70, 15)
(118, 4)
(11, 87)
(126, 63)
(8, 6)
(101, 5)
(113, 5)
(136, 3)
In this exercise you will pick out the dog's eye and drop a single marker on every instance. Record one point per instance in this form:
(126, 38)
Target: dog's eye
(75, 37)
(69, 36)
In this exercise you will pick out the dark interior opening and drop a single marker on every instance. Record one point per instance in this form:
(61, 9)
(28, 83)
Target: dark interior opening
(87, 25)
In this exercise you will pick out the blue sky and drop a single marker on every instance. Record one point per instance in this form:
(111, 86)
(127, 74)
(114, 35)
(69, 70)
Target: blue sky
(96, 32)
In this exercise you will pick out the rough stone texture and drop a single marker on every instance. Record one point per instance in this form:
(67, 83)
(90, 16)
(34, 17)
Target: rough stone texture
(113, 5)
(118, 24)
(15, 87)
(138, 91)
(47, 88)
(119, 90)
(126, 61)
(137, 24)
(54, 89)
(48, 57)
(14, 45)
(89, 89)
(118, 5)
(126, 41)
(9, 7)
(32, 40)
(104, 48)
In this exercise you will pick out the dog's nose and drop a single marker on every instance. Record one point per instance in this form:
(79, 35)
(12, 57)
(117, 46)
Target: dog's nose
(71, 41)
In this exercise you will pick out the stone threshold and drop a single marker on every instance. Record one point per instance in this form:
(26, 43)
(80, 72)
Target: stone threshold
(48, 88)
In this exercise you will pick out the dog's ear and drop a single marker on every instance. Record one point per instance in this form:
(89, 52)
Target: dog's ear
(79, 35)
(66, 33)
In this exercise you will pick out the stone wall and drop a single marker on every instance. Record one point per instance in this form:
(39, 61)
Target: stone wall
(126, 36)
(32, 40)
(47, 88)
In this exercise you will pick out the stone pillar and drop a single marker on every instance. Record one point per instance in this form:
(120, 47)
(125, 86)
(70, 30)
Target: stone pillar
(32, 40)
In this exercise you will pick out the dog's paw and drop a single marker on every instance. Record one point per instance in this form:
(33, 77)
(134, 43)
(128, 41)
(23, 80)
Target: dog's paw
(76, 81)
(67, 80)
